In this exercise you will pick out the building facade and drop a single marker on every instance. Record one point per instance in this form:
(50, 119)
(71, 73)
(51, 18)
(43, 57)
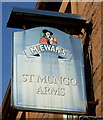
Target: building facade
(92, 38)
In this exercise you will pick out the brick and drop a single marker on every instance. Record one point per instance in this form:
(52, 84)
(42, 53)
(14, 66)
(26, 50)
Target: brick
(97, 91)
(30, 115)
(97, 26)
(98, 107)
(51, 116)
(96, 56)
(46, 115)
(102, 9)
(96, 43)
(97, 76)
(40, 115)
(96, 61)
(102, 113)
(87, 8)
(98, 111)
(33, 115)
(85, 11)
(95, 5)
(92, 11)
(97, 64)
(96, 48)
(96, 87)
(81, 6)
(58, 116)
(97, 15)
(97, 40)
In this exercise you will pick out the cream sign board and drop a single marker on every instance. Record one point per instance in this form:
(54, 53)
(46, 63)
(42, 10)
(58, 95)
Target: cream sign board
(48, 71)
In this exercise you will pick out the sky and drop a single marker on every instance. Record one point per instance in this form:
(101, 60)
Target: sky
(6, 44)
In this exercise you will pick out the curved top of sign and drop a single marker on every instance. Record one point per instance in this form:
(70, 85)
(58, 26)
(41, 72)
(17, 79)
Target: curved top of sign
(40, 39)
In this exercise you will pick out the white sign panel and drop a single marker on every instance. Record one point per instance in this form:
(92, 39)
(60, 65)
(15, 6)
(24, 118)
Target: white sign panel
(48, 71)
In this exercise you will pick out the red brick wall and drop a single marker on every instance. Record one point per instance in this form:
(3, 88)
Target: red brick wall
(94, 14)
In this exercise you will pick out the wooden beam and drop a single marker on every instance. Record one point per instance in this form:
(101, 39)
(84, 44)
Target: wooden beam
(19, 115)
(63, 6)
(74, 7)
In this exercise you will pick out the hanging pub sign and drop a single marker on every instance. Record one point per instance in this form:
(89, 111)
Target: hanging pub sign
(48, 71)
